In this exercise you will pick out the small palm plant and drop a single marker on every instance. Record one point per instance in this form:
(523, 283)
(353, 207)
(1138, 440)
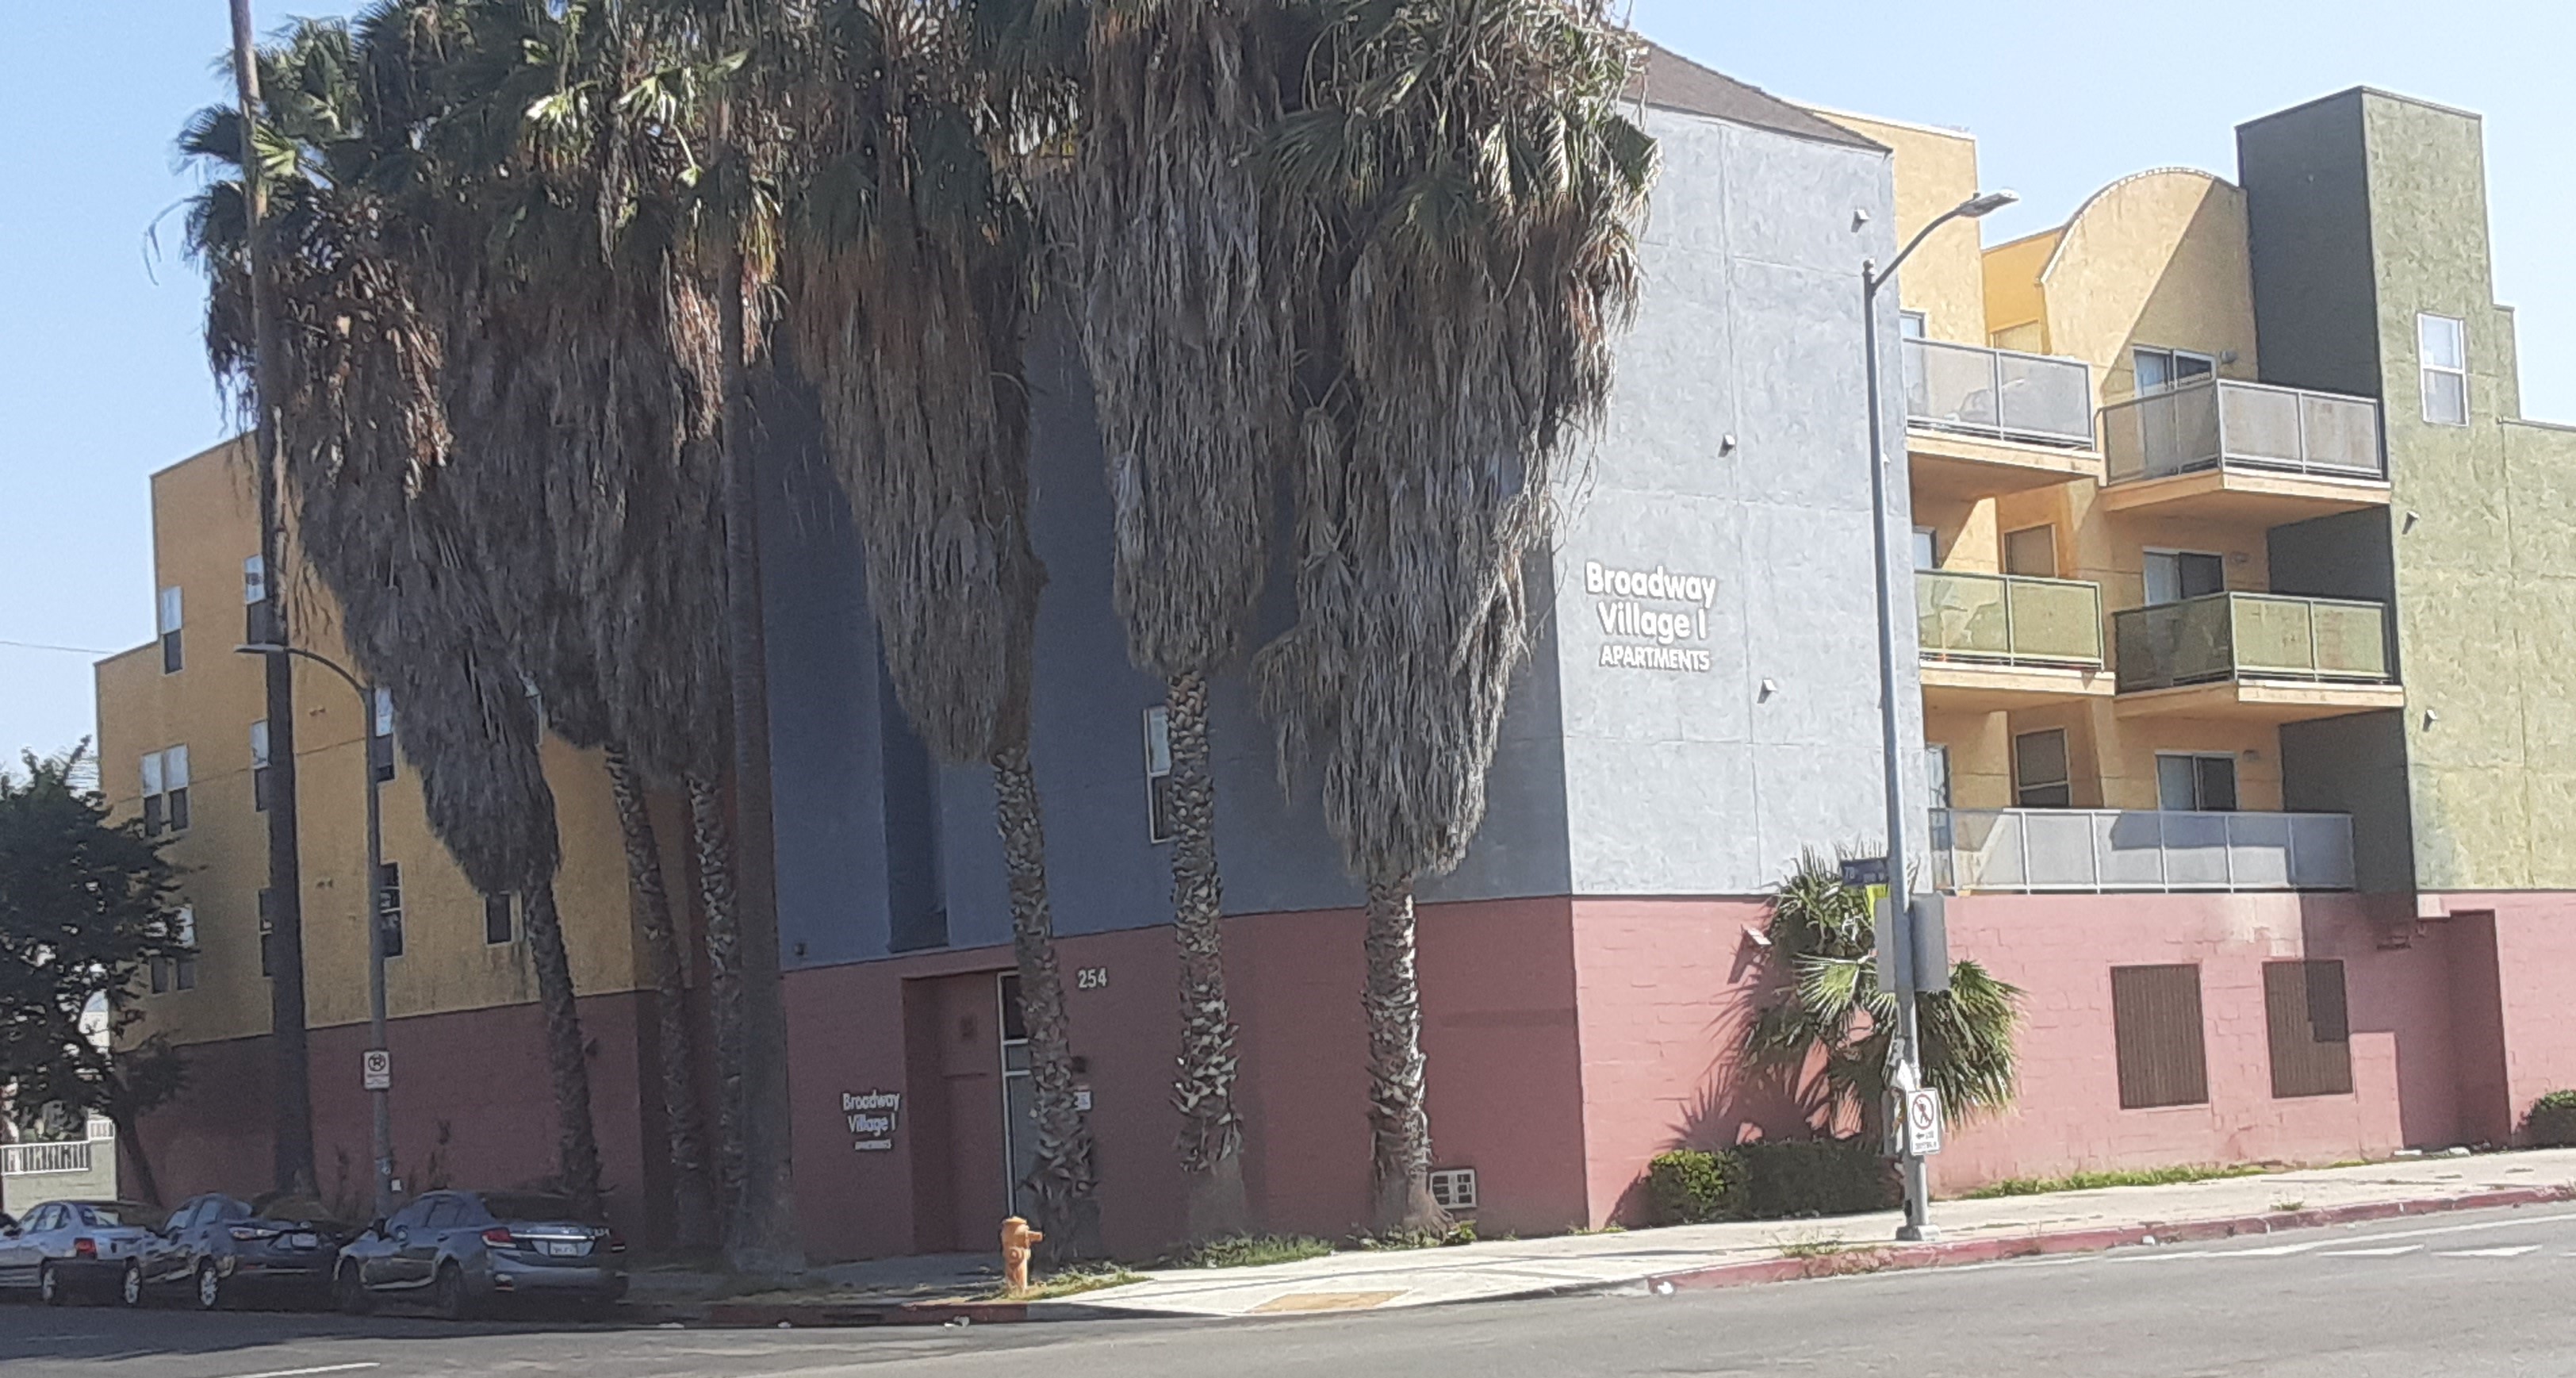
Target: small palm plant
(1822, 933)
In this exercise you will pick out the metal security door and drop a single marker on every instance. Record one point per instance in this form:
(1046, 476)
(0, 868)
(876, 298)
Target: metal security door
(1019, 1099)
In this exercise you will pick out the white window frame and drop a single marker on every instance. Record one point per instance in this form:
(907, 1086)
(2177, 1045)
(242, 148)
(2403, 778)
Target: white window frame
(1911, 325)
(169, 619)
(1158, 773)
(1927, 548)
(2433, 373)
(2149, 553)
(2174, 376)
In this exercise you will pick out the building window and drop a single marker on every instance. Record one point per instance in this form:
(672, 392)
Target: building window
(178, 971)
(2196, 782)
(389, 909)
(497, 928)
(255, 623)
(2031, 551)
(1158, 774)
(2155, 1023)
(1909, 325)
(1936, 775)
(2041, 777)
(2158, 369)
(259, 766)
(2442, 347)
(380, 736)
(1927, 548)
(173, 656)
(2174, 575)
(165, 791)
(267, 931)
(2303, 1002)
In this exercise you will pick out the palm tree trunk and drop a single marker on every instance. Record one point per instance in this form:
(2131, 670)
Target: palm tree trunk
(129, 1137)
(692, 1197)
(1068, 1208)
(1211, 1132)
(714, 839)
(567, 1061)
(1399, 1118)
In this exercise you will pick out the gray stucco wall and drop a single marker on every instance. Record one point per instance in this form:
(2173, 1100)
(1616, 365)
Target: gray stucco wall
(1609, 780)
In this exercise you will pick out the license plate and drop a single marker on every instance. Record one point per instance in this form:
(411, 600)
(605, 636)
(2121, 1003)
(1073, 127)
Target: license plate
(303, 1241)
(564, 1248)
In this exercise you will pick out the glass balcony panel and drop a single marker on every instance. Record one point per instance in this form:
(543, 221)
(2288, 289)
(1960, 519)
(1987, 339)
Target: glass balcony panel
(2250, 635)
(1998, 392)
(2222, 423)
(2104, 850)
(2009, 619)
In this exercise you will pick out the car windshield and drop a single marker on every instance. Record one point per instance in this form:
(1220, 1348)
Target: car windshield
(125, 1213)
(300, 1210)
(506, 1205)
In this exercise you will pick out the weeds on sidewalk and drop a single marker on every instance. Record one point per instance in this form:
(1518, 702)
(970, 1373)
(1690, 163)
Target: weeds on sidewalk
(2125, 1177)
(1071, 1282)
(2290, 1204)
(1463, 1232)
(1248, 1251)
(1833, 1256)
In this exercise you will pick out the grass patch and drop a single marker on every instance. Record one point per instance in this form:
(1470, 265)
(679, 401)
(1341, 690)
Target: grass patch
(1073, 1282)
(1812, 1248)
(1463, 1232)
(2126, 1177)
(2290, 1204)
(1249, 1251)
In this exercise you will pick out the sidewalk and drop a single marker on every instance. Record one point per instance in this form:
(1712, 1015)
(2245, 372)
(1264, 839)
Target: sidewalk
(1761, 1251)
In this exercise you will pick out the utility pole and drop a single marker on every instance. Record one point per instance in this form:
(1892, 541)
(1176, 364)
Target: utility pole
(1896, 935)
(290, 1082)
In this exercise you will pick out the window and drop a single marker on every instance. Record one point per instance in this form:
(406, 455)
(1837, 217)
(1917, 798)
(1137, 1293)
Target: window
(1909, 325)
(2442, 347)
(1927, 553)
(178, 972)
(165, 791)
(497, 928)
(267, 931)
(2031, 551)
(448, 1214)
(2196, 782)
(2174, 575)
(2041, 778)
(1936, 774)
(2303, 1002)
(2155, 1022)
(2159, 369)
(380, 735)
(255, 623)
(172, 655)
(389, 913)
(259, 766)
(1158, 774)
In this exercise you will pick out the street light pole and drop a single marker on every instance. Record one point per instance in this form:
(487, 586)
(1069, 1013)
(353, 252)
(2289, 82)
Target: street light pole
(370, 906)
(1899, 932)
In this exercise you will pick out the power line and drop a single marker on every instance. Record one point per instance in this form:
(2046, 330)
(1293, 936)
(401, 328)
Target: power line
(43, 646)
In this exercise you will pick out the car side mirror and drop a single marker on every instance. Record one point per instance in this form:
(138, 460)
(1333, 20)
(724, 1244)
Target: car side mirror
(376, 1226)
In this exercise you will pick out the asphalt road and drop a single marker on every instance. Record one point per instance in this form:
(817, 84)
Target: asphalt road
(2492, 1293)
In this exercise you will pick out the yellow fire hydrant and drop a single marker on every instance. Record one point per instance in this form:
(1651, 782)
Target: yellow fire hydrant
(1017, 1240)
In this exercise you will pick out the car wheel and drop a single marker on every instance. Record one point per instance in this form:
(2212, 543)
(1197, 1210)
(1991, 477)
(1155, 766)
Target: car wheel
(448, 1294)
(210, 1288)
(49, 1286)
(350, 1293)
(129, 1289)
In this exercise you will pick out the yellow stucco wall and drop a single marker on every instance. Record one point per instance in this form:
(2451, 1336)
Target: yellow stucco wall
(2016, 313)
(1936, 169)
(204, 526)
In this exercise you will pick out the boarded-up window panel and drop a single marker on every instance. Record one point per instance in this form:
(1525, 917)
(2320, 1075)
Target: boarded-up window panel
(2155, 1020)
(2311, 1028)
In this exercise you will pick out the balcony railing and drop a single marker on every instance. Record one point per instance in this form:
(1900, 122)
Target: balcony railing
(2008, 619)
(2227, 636)
(2095, 850)
(2218, 423)
(55, 1156)
(1998, 393)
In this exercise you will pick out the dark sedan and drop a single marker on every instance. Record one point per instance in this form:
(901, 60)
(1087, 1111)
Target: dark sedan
(461, 1251)
(69, 1248)
(218, 1249)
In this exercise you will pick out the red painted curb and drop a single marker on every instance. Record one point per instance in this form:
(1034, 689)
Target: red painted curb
(734, 1315)
(1896, 1257)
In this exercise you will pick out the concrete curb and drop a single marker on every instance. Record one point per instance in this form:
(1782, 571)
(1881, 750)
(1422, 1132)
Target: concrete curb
(801, 1315)
(1897, 1257)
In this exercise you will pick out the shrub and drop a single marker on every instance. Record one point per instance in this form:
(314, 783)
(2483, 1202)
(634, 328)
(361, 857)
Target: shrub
(1816, 1177)
(1692, 1187)
(2552, 1121)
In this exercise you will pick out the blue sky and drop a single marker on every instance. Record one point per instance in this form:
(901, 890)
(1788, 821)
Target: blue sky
(102, 381)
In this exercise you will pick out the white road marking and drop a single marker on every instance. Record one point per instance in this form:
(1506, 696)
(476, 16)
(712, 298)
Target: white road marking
(2273, 1251)
(308, 1372)
(2508, 1251)
(2391, 1252)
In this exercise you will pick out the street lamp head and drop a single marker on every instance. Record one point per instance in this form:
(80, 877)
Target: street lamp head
(260, 648)
(1980, 206)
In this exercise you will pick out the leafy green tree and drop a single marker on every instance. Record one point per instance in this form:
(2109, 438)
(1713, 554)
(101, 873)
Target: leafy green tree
(1822, 937)
(86, 906)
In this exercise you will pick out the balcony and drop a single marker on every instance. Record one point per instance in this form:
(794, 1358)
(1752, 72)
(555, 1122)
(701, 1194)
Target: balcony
(2255, 657)
(2219, 448)
(1997, 641)
(2092, 851)
(1986, 421)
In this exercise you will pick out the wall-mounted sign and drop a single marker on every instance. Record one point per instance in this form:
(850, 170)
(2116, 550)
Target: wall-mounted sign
(1652, 619)
(871, 1116)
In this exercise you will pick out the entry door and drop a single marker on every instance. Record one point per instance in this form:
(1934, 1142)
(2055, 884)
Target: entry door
(1019, 1098)
(970, 1090)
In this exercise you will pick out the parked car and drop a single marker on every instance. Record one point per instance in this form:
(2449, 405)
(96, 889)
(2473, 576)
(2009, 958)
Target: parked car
(461, 1251)
(220, 1248)
(68, 1248)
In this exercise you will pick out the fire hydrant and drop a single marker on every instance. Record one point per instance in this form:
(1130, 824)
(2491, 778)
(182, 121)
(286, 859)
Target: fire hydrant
(1017, 1239)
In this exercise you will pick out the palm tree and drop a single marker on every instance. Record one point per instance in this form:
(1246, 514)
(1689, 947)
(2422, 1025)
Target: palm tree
(908, 268)
(1822, 939)
(367, 460)
(1471, 193)
(1184, 325)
